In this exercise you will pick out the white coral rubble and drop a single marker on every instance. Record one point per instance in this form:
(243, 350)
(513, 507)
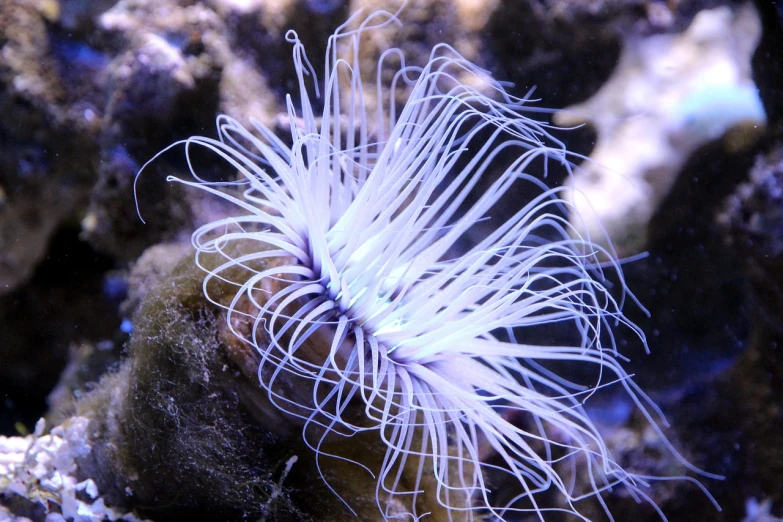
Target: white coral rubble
(42, 468)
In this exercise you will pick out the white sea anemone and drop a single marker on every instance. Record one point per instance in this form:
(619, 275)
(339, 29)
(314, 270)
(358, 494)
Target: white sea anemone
(373, 232)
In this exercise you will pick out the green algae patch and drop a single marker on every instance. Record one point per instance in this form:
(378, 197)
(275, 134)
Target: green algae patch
(172, 435)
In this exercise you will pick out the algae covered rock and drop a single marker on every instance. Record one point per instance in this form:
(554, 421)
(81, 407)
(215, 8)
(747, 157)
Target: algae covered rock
(183, 428)
(169, 431)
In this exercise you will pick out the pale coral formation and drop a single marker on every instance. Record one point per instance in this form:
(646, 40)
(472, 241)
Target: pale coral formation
(669, 95)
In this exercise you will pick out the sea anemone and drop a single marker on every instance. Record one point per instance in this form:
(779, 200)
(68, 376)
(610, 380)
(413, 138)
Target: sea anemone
(369, 263)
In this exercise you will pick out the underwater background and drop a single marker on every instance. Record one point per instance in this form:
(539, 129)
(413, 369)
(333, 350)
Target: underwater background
(678, 104)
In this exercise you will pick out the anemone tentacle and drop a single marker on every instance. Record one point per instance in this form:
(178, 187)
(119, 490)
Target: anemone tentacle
(375, 228)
